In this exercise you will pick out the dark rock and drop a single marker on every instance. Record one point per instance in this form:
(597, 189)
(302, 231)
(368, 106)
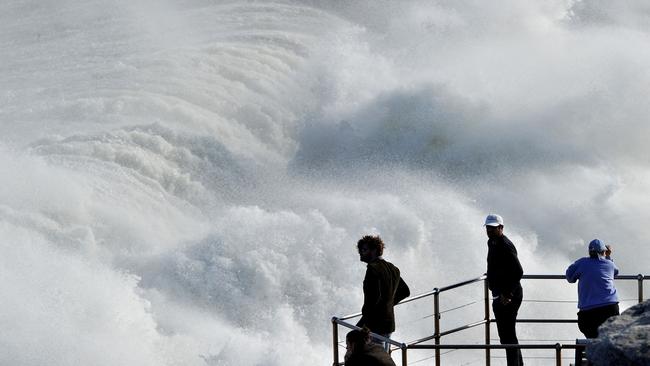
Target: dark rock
(623, 340)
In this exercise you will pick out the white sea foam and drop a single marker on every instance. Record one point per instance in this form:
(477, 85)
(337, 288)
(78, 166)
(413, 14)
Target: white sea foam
(183, 183)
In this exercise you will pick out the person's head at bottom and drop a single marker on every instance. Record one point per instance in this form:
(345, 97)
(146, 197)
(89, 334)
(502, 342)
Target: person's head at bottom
(363, 352)
(356, 340)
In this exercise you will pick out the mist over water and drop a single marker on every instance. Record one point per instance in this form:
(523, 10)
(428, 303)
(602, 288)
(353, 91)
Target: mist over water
(184, 182)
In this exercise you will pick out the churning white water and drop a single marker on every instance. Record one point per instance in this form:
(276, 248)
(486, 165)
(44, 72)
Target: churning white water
(183, 182)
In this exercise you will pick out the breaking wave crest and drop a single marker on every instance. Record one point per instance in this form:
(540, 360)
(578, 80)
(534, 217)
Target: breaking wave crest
(184, 182)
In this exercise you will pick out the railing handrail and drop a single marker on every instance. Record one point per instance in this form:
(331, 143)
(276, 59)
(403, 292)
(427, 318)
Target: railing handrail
(374, 335)
(484, 277)
(336, 321)
(496, 346)
(561, 277)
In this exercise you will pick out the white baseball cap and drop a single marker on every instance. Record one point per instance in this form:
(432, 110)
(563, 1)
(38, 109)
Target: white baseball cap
(493, 220)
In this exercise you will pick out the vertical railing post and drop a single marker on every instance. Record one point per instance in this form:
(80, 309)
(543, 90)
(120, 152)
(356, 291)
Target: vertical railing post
(436, 322)
(558, 354)
(404, 360)
(486, 293)
(640, 285)
(335, 341)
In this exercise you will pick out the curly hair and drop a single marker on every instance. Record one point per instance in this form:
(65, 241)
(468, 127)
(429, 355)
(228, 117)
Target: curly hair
(373, 242)
(358, 337)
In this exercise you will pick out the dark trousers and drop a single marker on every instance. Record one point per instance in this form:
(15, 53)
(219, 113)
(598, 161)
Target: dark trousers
(590, 320)
(506, 317)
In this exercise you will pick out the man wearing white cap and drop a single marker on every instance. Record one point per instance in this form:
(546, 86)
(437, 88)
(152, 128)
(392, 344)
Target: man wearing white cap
(504, 273)
(597, 298)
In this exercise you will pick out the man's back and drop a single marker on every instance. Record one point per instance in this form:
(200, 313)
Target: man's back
(382, 289)
(503, 270)
(596, 285)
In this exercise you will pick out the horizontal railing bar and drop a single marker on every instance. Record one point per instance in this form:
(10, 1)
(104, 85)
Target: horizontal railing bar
(521, 340)
(459, 307)
(559, 321)
(632, 277)
(408, 299)
(562, 277)
(418, 341)
(448, 332)
(536, 358)
(350, 316)
(553, 301)
(423, 295)
(547, 320)
(483, 277)
(416, 297)
(544, 277)
(373, 335)
(450, 287)
(467, 326)
(496, 346)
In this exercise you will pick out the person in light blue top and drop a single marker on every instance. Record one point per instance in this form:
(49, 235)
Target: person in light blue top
(597, 297)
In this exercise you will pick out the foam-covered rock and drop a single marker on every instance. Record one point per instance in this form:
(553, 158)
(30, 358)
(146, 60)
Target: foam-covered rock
(623, 340)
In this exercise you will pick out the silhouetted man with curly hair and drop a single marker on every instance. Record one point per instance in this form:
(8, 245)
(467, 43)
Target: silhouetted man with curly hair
(382, 288)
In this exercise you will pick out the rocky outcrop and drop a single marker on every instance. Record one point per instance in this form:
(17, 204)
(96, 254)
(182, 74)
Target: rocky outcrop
(623, 340)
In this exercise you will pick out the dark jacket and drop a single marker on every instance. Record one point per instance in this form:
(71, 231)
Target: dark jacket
(371, 355)
(382, 289)
(503, 268)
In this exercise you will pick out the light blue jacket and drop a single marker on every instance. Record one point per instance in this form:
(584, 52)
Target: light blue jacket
(596, 285)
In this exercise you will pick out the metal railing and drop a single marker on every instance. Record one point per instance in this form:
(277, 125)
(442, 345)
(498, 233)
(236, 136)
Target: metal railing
(438, 333)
